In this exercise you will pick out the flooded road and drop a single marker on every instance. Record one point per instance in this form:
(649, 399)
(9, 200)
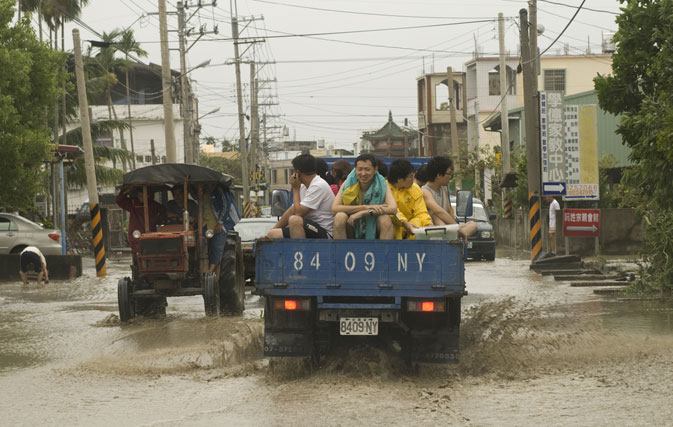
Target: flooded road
(533, 351)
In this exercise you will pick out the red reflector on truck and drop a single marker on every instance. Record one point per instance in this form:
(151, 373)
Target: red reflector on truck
(438, 305)
(54, 236)
(296, 304)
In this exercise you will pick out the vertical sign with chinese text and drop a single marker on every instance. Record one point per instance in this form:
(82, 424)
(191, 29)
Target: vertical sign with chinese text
(552, 143)
(581, 153)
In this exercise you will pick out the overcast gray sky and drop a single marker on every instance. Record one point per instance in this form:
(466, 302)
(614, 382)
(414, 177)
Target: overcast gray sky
(334, 86)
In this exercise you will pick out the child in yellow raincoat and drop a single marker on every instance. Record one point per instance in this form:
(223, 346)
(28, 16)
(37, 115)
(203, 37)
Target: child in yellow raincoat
(411, 210)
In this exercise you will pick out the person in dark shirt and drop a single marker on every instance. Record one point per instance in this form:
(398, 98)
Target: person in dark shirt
(130, 199)
(175, 207)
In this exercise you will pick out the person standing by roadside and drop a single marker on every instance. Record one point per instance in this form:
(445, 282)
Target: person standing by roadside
(31, 256)
(553, 207)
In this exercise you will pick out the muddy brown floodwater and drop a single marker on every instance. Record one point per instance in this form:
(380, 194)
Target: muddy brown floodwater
(534, 351)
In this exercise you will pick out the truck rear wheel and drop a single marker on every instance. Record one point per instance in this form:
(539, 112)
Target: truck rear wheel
(211, 294)
(232, 276)
(124, 299)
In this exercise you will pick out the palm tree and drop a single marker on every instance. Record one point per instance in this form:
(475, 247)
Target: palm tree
(102, 154)
(128, 44)
(102, 67)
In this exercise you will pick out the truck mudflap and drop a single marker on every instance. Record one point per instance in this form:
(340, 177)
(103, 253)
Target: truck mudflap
(287, 343)
(434, 347)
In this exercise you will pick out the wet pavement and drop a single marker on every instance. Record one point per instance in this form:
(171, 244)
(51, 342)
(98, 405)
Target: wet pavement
(533, 351)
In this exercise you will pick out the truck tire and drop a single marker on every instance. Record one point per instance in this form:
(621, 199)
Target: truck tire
(490, 257)
(211, 294)
(126, 305)
(232, 277)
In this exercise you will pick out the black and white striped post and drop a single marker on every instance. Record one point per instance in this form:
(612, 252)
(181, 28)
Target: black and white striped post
(89, 162)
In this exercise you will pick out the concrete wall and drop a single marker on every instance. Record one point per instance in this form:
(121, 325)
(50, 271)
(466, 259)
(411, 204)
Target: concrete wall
(621, 233)
(580, 71)
(61, 267)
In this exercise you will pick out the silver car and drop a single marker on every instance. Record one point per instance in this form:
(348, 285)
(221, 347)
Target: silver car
(250, 229)
(17, 232)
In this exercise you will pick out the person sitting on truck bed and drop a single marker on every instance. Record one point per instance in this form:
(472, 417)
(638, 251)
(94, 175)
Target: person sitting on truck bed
(411, 210)
(131, 199)
(437, 198)
(175, 207)
(310, 215)
(364, 203)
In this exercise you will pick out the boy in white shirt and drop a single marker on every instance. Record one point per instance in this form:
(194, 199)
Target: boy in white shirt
(553, 207)
(310, 215)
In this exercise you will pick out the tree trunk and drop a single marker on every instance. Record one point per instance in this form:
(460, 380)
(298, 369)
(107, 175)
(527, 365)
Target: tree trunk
(111, 110)
(55, 124)
(64, 93)
(128, 104)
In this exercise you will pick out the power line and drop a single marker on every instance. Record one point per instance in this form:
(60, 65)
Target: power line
(534, 58)
(586, 8)
(364, 13)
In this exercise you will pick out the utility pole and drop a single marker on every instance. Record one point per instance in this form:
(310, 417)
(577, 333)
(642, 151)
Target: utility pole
(169, 127)
(154, 159)
(504, 92)
(455, 145)
(186, 110)
(89, 162)
(254, 127)
(241, 117)
(530, 99)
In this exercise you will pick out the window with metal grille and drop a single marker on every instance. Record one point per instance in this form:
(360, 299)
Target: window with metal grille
(555, 80)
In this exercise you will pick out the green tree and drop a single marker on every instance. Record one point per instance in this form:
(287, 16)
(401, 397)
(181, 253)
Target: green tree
(29, 84)
(231, 167)
(641, 90)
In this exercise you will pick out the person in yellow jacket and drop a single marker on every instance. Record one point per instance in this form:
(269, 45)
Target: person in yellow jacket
(411, 210)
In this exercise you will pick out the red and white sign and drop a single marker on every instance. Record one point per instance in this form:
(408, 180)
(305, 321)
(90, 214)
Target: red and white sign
(581, 222)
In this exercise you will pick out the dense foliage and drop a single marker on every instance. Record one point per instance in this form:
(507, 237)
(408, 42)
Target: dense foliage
(641, 90)
(29, 86)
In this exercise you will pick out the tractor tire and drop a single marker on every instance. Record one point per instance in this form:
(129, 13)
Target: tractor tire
(124, 299)
(211, 294)
(232, 277)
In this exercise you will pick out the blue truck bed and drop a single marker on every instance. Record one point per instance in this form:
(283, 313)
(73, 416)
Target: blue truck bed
(420, 268)
(402, 294)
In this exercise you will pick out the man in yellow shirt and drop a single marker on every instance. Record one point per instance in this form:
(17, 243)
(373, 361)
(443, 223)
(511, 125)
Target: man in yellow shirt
(411, 210)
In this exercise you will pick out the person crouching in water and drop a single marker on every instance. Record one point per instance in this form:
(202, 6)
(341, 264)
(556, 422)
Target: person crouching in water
(32, 257)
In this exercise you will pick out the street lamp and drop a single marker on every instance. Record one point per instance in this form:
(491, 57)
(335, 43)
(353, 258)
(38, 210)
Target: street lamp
(208, 113)
(187, 105)
(201, 65)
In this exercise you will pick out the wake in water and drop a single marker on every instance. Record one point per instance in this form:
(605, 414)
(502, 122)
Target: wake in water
(158, 347)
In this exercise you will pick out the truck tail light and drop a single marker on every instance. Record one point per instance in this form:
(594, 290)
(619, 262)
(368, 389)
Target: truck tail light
(54, 236)
(426, 305)
(292, 304)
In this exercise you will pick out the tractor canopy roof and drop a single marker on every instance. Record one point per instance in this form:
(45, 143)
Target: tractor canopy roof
(176, 173)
